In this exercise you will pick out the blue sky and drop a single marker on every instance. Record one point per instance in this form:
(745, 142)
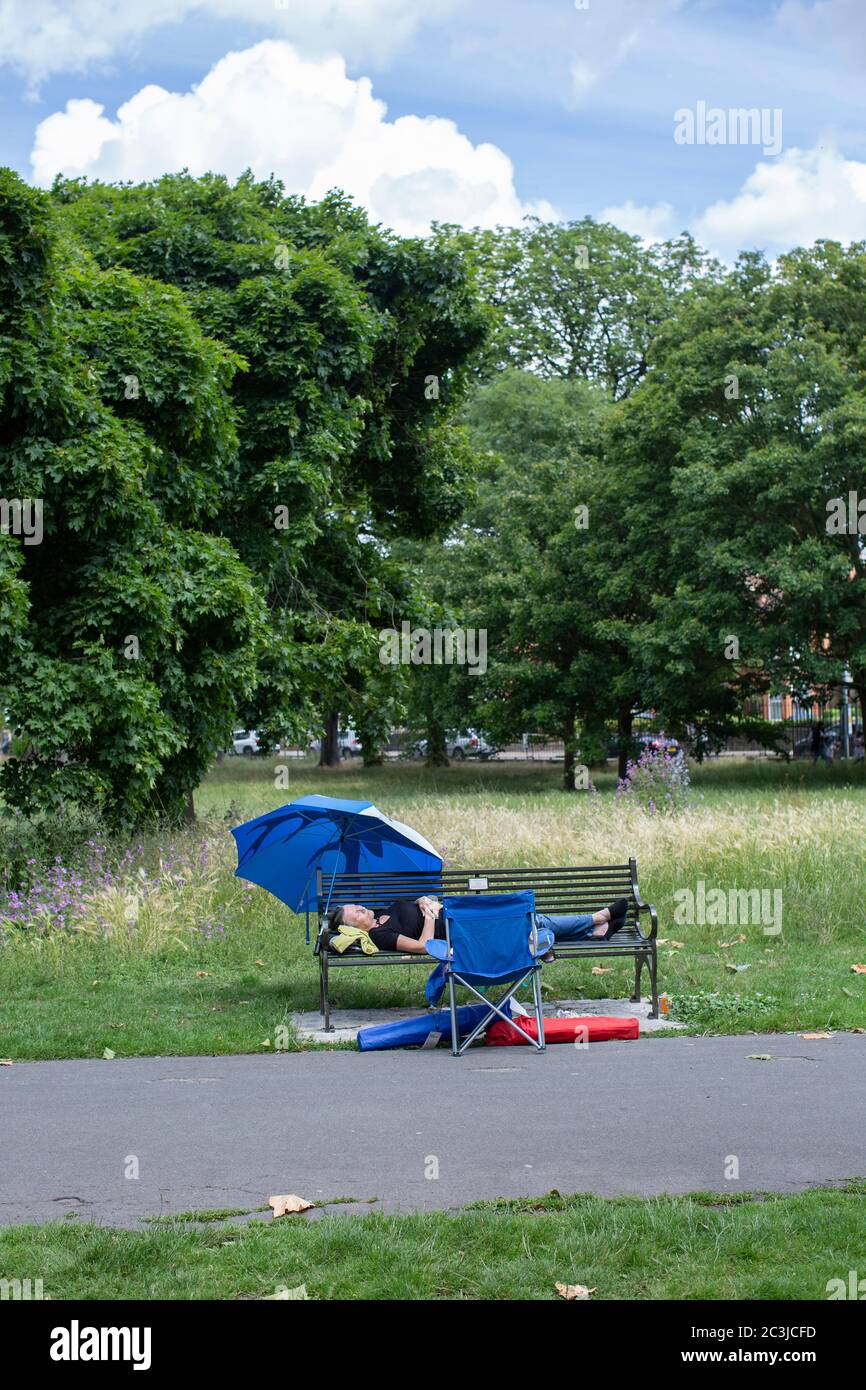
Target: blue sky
(466, 110)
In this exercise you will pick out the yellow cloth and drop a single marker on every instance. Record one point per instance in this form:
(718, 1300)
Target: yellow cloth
(349, 934)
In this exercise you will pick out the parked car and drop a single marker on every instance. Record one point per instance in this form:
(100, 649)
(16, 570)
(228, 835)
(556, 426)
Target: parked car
(643, 740)
(347, 741)
(245, 742)
(458, 746)
(350, 744)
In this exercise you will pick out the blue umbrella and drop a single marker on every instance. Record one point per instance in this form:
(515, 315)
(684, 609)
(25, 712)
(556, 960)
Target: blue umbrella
(282, 850)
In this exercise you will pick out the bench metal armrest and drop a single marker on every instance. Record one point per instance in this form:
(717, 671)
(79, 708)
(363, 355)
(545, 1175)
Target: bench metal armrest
(654, 919)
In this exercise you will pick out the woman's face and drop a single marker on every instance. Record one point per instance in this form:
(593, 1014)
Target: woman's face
(357, 916)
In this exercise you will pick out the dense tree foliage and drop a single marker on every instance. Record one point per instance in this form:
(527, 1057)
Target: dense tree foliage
(128, 631)
(355, 347)
(743, 449)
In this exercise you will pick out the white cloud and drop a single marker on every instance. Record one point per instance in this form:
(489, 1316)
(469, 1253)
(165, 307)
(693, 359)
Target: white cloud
(41, 37)
(274, 111)
(650, 223)
(799, 197)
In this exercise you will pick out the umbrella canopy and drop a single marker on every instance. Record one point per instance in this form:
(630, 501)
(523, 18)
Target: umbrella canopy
(282, 850)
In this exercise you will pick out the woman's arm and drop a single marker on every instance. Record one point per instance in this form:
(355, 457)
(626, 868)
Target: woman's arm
(429, 909)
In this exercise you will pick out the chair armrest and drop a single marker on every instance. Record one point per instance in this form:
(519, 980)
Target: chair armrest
(437, 949)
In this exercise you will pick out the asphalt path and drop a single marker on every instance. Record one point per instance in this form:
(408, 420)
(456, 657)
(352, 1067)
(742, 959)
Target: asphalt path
(118, 1141)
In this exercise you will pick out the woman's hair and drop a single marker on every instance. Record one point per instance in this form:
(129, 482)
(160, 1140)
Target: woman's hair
(336, 919)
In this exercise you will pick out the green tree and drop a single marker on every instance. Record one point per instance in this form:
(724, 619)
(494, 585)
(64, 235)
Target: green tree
(752, 424)
(581, 299)
(355, 345)
(519, 567)
(127, 630)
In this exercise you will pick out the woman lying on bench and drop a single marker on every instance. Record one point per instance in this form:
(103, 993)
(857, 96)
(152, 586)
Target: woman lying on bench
(409, 923)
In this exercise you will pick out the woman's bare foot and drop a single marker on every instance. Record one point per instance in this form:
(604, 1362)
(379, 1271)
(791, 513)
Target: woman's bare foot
(600, 921)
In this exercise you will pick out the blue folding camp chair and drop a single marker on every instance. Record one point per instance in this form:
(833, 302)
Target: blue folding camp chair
(491, 940)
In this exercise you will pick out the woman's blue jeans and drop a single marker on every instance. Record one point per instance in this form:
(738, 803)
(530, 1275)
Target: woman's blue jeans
(567, 928)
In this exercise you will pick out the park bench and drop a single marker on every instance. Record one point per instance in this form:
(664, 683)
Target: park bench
(560, 892)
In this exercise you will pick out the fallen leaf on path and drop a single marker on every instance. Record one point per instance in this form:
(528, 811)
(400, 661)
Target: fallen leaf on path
(283, 1292)
(288, 1205)
(726, 945)
(5, 1061)
(602, 969)
(760, 1057)
(265, 1042)
(572, 1291)
(261, 962)
(202, 974)
(107, 1054)
(853, 1030)
(669, 941)
(859, 969)
(812, 1037)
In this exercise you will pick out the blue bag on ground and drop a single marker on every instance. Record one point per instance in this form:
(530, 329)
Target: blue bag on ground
(414, 1032)
(435, 986)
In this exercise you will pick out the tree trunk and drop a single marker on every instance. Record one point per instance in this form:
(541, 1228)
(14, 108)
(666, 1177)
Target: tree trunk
(330, 751)
(623, 739)
(189, 810)
(859, 683)
(570, 745)
(437, 753)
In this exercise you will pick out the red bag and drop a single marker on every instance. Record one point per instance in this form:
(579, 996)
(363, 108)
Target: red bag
(593, 1028)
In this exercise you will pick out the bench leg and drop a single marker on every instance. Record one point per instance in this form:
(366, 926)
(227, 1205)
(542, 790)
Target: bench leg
(651, 962)
(638, 966)
(324, 1001)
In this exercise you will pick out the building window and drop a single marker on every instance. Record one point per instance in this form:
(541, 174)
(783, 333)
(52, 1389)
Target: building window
(775, 708)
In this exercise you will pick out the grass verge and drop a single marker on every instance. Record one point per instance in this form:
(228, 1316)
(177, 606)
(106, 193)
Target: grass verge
(701, 1246)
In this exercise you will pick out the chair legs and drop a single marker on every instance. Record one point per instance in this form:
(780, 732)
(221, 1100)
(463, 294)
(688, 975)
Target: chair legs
(496, 1008)
(452, 1001)
(539, 1016)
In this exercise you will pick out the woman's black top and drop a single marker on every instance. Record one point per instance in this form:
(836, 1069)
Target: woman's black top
(405, 918)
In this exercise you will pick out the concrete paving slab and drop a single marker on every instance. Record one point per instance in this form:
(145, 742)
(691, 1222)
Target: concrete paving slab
(347, 1022)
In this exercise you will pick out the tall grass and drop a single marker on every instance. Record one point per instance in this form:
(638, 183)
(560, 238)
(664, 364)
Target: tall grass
(168, 908)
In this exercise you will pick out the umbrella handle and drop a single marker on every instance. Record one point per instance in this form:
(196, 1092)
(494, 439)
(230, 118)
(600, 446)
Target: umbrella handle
(334, 874)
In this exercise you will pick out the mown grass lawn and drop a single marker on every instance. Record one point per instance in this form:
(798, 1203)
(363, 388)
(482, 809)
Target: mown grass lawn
(701, 1246)
(175, 955)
